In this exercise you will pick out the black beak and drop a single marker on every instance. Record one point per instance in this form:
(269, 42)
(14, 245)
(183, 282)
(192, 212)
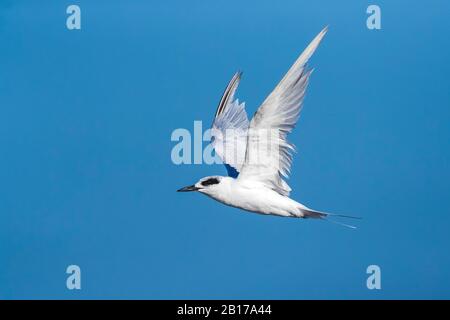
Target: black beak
(188, 188)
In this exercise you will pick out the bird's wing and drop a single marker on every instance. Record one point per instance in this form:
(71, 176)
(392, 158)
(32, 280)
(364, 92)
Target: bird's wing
(229, 129)
(269, 154)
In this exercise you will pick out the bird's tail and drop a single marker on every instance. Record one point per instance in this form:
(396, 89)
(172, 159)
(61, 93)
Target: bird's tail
(313, 214)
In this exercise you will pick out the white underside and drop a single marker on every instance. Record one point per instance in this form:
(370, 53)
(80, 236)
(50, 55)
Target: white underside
(255, 197)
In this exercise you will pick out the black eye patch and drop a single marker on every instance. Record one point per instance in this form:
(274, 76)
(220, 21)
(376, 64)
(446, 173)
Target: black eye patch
(210, 181)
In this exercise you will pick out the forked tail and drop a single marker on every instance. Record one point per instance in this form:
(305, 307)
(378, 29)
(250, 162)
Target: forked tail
(313, 214)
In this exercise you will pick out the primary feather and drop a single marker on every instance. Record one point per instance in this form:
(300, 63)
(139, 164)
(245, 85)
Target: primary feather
(269, 154)
(229, 129)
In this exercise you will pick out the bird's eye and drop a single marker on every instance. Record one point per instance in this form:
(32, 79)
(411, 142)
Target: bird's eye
(210, 181)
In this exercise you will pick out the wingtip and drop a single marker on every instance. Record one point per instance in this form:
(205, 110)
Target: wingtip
(322, 33)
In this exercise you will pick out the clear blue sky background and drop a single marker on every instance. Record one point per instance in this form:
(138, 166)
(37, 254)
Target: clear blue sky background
(86, 176)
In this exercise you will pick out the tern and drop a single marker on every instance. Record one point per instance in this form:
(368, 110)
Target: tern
(256, 154)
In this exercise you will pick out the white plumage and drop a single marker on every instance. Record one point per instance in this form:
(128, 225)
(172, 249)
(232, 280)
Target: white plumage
(229, 130)
(257, 154)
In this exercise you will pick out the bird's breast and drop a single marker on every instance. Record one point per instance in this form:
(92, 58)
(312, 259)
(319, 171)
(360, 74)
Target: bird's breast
(257, 199)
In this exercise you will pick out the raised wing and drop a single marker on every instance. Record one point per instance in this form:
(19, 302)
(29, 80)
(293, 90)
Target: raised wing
(269, 154)
(229, 129)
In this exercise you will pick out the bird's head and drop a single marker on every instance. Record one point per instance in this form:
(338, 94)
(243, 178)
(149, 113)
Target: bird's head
(207, 185)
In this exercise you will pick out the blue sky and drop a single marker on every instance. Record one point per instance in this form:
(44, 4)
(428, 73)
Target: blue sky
(86, 175)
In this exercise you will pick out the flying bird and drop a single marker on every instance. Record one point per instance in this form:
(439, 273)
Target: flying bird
(257, 154)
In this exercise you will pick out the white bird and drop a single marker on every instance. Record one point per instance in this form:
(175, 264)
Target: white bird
(257, 155)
